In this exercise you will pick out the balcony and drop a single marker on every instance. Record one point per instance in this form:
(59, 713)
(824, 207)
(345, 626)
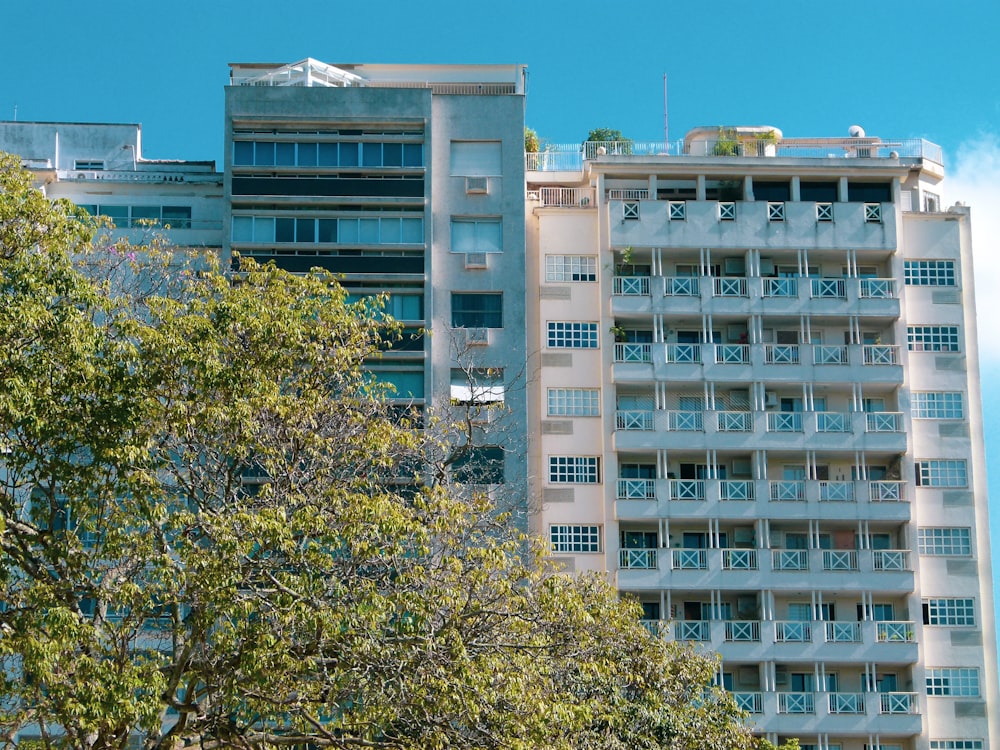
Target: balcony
(630, 286)
(729, 287)
(894, 632)
(840, 560)
(792, 632)
(742, 631)
(732, 354)
(686, 489)
(633, 353)
(636, 489)
(736, 490)
(846, 703)
(689, 559)
(634, 419)
(751, 702)
(842, 632)
(567, 197)
(697, 630)
(637, 559)
(796, 703)
(739, 559)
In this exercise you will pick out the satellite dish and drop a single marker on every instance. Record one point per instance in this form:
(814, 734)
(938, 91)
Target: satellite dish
(856, 131)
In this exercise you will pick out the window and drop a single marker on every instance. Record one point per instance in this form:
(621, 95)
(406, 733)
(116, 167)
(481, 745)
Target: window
(932, 338)
(480, 235)
(566, 538)
(477, 310)
(90, 165)
(949, 612)
(405, 384)
(956, 745)
(929, 272)
(371, 230)
(953, 681)
(940, 472)
(570, 335)
(327, 154)
(574, 402)
(480, 386)
(574, 469)
(483, 464)
(177, 217)
(953, 541)
(571, 268)
(937, 405)
(476, 159)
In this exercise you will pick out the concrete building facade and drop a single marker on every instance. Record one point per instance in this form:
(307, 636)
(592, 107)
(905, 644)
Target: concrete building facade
(758, 398)
(739, 372)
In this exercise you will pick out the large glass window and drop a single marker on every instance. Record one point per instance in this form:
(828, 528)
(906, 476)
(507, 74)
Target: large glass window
(929, 272)
(574, 402)
(373, 154)
(571, 335)
(945, 541)
(476, 159)
(932, 339)
(937, 405)
(571, 268)
(476, 235)
(946, 611)
(177, 217)
(477, 310)
(953, 681)
(372, 230)
(956, 745)
(481, 464)
(941, 472)
(575, 538)
(574, 469)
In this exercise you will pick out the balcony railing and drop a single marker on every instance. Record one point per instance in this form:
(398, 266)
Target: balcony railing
(775, 211)
(883, 491)
(681, 286)
(751, 702)
(790, 559)
(796, 703)
(833, 421)
(824, 212)
(894, 632)
(631, 286)
(842, 632)
(736, 490)
(567, 197)
(633, 352)
(637, 559)
(897, 703)
(883, 421)
(840, 560)
(828, 289)
(627, 194)
(788, 490)
(826, 354)
(739, 559)
(727, 210)
(677, 210)
(729, 286)
(880, 354)
(792, 631)
(634, 419)
(689, 559)
(743, 631)
(636, 489)
(732, 354)
(781, 354)
(836, 492)
(734, 421)
(878, 288)
(692, 630)
(847, 703)
(873, 213)
(891, 559)
(685, 421)
(783, 287)
(571, 156)
(686, 489)
(684, 353)
(781, 421)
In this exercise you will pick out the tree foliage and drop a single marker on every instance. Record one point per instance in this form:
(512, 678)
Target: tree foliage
(610, 139)
(216, 532)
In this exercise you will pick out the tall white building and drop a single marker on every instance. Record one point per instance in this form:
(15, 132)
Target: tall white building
(757, 392)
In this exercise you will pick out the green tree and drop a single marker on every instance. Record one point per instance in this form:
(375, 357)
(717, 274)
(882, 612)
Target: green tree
(216, 532)
(611, 140)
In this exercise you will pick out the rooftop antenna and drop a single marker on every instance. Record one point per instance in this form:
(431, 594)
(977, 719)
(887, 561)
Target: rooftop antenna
(666, 131)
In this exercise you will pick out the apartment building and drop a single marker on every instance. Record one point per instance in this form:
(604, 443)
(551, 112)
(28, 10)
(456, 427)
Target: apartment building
(406, 180)
(739, 371)
(757, 388)
(101, 167)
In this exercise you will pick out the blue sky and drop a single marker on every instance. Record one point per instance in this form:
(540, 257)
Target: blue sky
(899, 69)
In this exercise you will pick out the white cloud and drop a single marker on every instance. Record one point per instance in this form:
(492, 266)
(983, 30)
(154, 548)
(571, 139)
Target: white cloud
(975, 180)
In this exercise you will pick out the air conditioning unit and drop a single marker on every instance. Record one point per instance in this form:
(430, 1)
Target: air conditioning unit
(770, 398)
(780, 677)
(742, 467)
(477, 185)
(475, 260)
(735, 266)
(766, 266)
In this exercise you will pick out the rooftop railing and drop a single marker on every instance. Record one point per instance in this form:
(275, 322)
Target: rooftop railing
(571, 156)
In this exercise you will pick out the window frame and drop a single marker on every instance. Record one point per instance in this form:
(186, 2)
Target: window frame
(930, 272)
(946, 611)
(478, 243)
(946, 473)
(933, 338)
(937, 405)
(571, 334)
(944, 541)
(570, 268)
(575, 538)
(573, 402)
(483, 316)
(953, 682)
(566, 469)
